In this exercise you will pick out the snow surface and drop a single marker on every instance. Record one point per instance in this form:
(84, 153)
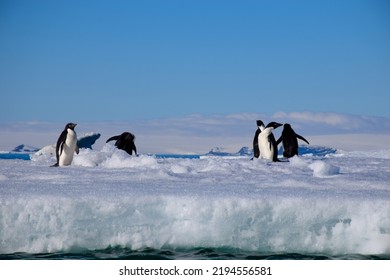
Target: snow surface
(333, 203)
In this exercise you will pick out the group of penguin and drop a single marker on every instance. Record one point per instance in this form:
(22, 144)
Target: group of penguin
(264, 143)
(67, 144)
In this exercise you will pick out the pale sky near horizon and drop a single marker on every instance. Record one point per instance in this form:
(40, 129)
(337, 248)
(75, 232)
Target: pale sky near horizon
(199, 133)
(129, 60)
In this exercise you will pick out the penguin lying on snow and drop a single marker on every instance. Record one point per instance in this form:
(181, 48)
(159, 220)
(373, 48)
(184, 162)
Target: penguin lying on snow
(66, 146)
(125, 142)
(290, 141)
(268, 148)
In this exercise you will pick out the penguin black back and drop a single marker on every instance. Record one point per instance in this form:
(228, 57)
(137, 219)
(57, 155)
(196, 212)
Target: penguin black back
(125, 142)
(290, 141)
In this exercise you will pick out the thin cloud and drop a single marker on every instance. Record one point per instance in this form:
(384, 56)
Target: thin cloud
(331, 123)
(310, 117)
(197, 133)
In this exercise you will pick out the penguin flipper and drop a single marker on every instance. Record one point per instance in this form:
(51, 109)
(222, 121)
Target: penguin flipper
(113, 138)
(256, 151)
(279, 140)
(60, 144)
(271, 140)
(273, 143)
(77, 150)
(302, 138)
(275, 157)
(60, 148)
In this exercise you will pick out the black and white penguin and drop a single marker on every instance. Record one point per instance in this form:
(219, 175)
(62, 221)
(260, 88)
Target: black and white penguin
(267, 144)
(66, 146)
(260, 128)
(125, 142)
(290, 141)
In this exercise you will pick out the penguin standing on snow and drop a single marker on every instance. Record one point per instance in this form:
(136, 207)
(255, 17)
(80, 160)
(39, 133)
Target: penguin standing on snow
(267, 144)
(260, 128)
(66, 146)
(290, 141)
(125, 142)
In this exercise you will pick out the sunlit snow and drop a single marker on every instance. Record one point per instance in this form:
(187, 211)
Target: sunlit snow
(336, 203)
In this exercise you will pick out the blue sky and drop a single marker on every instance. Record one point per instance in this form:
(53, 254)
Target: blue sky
(134, 60)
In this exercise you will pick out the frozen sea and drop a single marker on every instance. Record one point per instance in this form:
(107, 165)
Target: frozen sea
(324, 204)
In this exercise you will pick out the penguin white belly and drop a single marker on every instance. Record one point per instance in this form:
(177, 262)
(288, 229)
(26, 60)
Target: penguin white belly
(266, 148)
(68, 149)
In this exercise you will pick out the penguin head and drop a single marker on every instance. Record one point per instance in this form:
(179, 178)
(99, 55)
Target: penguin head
(259, 123)
(274, 125)
(70, 126)
(287, 126)
(127, 136)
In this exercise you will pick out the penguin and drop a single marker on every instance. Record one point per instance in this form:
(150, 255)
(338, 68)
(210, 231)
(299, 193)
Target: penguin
(290, 141)
(125, 142)
(267, 144)
(260, 128)
(66, 146)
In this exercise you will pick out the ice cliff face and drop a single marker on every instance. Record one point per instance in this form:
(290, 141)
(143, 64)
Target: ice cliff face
(25, 149)
(315, 150)
(88, 140)
(219, 151)
(245, 151)
(303, 150)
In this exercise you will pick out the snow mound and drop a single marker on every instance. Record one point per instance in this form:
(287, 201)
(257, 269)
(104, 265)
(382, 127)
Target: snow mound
(323, 169)
(319, 167)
